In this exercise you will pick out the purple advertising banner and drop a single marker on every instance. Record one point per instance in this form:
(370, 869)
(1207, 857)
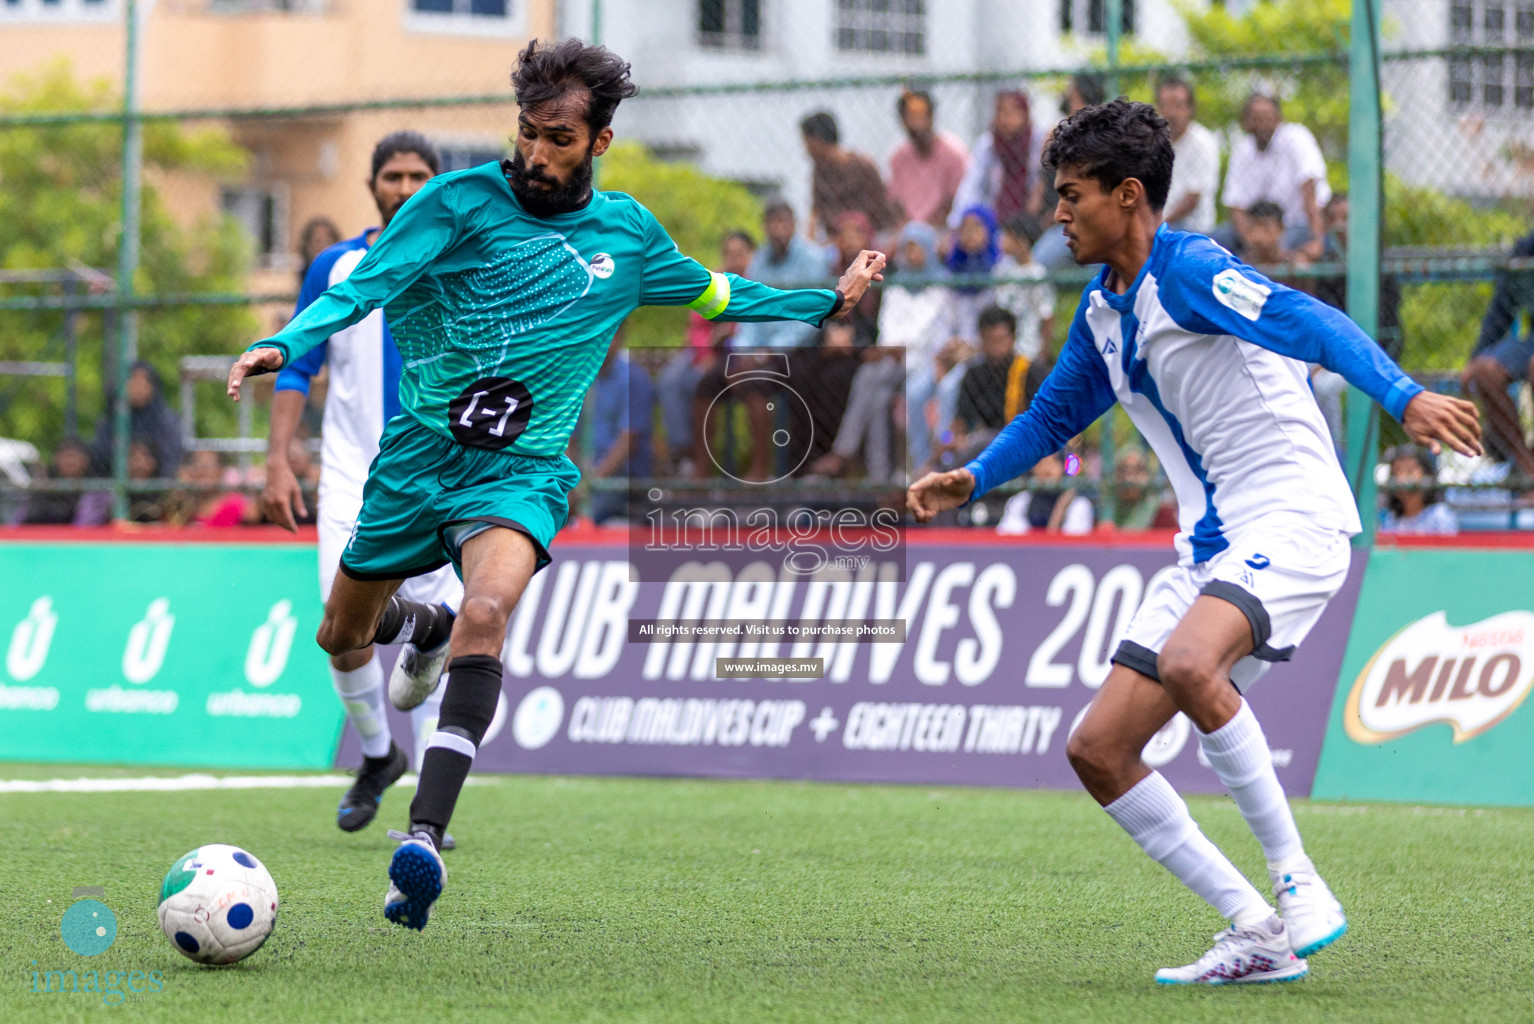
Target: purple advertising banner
(1005, 645)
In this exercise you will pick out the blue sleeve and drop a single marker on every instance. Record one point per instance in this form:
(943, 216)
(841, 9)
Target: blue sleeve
(1206, 290)
(295, 376)
(1074, 394)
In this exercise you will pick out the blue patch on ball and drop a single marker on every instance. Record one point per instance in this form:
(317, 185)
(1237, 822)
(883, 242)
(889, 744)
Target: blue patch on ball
(241, 857)
(186, 942)
(240, 915)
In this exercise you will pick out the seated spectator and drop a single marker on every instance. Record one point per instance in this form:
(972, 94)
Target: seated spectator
(210, 498)
(867, 420)
(1136, 504)
(786, 261)
(1005, 171)
(1264, 241)
(145, 506)
(926, 169)
(1334, 290)
(843, 181)
(912, 317)
(1501, 356)
(994, 390)
(150, 420)
(1279, 161)
(71, 461)
(623, 410)
(676, 385)
(1196, 167)
(853, 234)
(317, 235)
(1052, 507)
(975, 253)
(1031, 299)
(1410, 506)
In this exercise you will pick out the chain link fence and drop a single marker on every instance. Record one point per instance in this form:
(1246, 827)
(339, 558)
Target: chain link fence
(257, 119)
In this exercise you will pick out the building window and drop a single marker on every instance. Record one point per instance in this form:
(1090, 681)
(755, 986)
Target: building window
(882, 26)
(465, 17)
(60, 10)
(262, 210)
(1491, 81)
(730, 24)
(1091, 17)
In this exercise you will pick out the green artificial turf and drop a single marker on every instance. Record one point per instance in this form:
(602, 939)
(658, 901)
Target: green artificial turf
(678, 900)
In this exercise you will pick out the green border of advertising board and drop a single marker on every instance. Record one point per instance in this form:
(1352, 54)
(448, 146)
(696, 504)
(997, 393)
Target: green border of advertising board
(166, 654)
(1430, 704)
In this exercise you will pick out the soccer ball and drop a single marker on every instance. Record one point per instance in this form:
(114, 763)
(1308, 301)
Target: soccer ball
(217, 904)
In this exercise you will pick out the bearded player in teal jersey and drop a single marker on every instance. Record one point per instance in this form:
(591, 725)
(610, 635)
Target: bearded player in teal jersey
(503, 285)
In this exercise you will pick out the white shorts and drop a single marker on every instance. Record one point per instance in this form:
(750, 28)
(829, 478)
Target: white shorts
(1279, 571)
(334, 520)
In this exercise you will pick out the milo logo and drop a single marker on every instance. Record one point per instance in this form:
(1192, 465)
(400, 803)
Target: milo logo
(1468, 677)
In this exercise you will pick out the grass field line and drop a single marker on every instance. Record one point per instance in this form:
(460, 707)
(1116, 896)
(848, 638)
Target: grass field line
(180, 783)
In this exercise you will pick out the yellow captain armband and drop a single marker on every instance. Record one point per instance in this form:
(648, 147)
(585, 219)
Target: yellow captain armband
(714, 298)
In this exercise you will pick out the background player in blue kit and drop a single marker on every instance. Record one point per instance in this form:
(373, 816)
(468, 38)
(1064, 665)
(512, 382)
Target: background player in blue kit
(503, 285)
(1208, 358)
(361, 397)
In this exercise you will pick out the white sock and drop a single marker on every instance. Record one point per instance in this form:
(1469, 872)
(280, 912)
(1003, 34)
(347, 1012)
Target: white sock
(423, 722)
(362, 694)
(1158, 819)
(1239, 754)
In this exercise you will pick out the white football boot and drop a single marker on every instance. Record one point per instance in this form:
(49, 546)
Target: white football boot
(415, 675)
(1311, 914)
(417, 877)
(1241, 956)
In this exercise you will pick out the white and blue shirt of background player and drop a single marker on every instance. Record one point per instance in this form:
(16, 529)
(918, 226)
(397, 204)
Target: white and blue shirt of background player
(362, 396)
(1208, 358)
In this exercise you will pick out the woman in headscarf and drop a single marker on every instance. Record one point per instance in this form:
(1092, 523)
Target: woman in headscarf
(913, 317)
(150, 420)
(1005, 171)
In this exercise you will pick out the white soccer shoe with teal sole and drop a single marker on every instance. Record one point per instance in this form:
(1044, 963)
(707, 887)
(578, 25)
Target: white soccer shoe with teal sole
(1312, 915)
(415, 675)
(1241, 956)
(417, 877)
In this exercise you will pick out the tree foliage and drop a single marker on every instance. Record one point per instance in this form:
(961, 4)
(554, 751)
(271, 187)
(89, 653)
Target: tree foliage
(696, 210)
(60, 207)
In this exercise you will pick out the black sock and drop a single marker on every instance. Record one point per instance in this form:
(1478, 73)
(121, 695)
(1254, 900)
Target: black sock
(471, 690)
(411, 622)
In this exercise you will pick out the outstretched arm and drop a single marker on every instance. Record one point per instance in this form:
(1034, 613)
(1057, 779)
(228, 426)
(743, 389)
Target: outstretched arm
(1208, 291)
(424, 228)
(673, 279)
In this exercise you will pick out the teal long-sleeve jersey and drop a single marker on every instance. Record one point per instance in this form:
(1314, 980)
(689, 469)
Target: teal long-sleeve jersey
(502, 318)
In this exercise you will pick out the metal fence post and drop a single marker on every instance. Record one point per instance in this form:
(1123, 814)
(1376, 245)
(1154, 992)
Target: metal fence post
(1113, 13)
(1365, 181)
(127, 265)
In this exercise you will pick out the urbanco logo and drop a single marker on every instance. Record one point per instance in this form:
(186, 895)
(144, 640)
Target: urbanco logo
(1468, 677)
(31, 640)
(270, 644)
(147, 642)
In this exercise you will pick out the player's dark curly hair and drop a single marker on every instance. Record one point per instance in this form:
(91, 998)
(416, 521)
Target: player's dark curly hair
(546, 72)
(396, 143)
(1115, 142)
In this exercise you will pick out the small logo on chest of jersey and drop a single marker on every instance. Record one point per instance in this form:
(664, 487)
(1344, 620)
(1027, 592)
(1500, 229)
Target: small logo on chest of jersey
(1258, 562)
(602, 265)
(490, 413)
(1109, 347)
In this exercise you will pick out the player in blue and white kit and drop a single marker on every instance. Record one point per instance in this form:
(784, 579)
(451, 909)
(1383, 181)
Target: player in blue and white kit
(1208, 358)
(362, 396)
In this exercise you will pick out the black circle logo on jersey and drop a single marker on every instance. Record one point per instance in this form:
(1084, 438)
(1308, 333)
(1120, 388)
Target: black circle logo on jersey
(490, 413)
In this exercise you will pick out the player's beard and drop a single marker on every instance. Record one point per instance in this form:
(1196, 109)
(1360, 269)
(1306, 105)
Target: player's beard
(567, 198)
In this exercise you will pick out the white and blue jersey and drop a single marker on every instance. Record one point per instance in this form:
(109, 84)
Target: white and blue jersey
(363, 390)
(1208, 357)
